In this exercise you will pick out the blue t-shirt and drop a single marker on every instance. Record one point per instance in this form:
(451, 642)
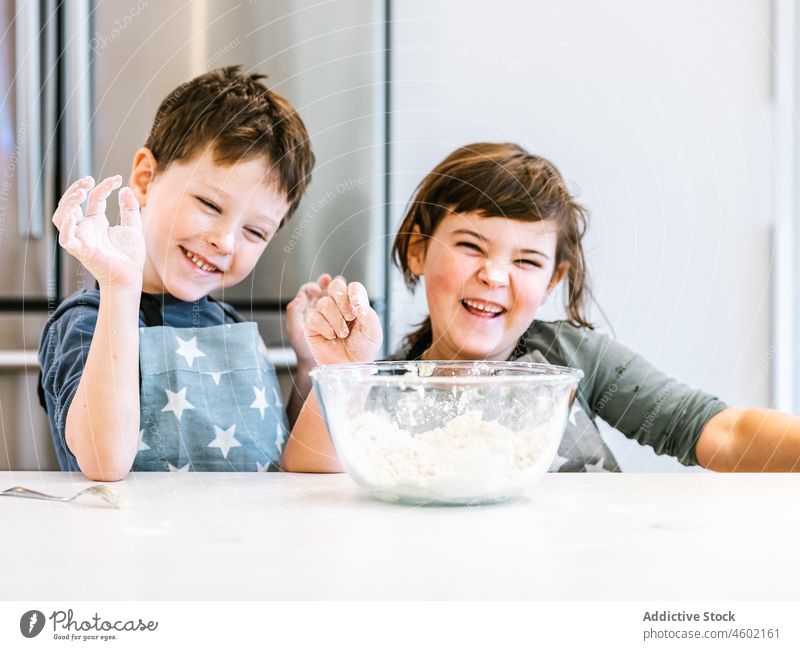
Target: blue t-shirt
(65, 342)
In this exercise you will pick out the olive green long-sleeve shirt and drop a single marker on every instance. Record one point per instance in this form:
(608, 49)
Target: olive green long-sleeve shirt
(620, 387)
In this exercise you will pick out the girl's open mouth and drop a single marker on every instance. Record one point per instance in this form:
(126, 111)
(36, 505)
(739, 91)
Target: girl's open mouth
(199, 262)
(482, 309)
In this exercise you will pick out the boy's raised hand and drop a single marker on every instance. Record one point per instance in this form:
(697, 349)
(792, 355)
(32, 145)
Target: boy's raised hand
(114, 255)
(344, 328)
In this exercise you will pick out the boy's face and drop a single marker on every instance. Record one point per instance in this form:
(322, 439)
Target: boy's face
(485, 278)
(205, 225)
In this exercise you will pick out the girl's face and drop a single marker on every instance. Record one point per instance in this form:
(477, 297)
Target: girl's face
(485, 278)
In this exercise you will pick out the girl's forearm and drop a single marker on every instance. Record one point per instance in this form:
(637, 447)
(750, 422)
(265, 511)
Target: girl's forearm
(309, 448)
(751, 440)
(301, 387)
(102, 427)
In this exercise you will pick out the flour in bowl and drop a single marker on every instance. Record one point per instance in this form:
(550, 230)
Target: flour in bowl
(466, 457)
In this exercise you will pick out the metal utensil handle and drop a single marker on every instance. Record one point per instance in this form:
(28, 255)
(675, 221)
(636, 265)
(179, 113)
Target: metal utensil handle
(29, 494)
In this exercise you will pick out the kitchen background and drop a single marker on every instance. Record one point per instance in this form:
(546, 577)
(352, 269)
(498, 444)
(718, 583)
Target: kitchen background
(674, 122)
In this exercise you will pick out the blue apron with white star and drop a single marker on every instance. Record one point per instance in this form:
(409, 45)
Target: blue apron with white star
(210, 399)
(582, 448)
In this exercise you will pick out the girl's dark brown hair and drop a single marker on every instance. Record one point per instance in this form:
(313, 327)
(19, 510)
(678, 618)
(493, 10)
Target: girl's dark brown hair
(499, 180)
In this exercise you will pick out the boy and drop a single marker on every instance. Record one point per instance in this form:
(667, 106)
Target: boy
(225, 165)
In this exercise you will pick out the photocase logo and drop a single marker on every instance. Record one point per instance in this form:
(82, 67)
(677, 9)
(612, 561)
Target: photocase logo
(31, 623)
(67, 627)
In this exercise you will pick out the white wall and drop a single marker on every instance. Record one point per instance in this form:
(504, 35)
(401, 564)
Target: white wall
(659, 116)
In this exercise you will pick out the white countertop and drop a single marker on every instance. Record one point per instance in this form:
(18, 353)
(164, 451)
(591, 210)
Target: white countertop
(291, 536)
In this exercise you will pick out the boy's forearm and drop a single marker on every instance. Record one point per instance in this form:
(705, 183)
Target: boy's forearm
(751, 440)
(309, 448)
(102, 427)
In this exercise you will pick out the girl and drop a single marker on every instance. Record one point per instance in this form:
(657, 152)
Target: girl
(493, 230)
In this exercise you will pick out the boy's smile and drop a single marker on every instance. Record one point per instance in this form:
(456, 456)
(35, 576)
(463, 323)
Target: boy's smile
(485, 278)
(205, 224)
(201, 263)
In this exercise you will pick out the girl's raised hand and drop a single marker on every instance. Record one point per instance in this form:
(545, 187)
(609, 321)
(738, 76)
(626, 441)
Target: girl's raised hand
(114, 255)
(298, 310)
(344, 328)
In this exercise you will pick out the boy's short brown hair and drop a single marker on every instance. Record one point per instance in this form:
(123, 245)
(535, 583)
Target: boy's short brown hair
(239, 118)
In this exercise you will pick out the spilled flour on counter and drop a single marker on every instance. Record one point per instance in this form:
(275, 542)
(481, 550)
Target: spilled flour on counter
(467, 455)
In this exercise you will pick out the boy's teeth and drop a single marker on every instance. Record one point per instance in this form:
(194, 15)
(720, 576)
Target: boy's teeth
(202, 265)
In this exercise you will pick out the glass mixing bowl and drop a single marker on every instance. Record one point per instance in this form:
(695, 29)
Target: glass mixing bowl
(446, 432)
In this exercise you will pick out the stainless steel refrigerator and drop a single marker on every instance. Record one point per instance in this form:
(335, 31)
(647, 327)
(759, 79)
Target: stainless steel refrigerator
(82, 81)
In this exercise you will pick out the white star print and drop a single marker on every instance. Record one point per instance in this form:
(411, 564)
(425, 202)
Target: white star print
(572, 413)
(143, 446)
(225, 439)
(262, 468)
(189, 350)
(216, 375)
(557, 463)
(279, 437)
(172, 468)
(260, 402)
(177, 403)
(595, 467)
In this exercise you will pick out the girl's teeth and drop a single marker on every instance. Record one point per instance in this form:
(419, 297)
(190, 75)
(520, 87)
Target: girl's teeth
(481, 307)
